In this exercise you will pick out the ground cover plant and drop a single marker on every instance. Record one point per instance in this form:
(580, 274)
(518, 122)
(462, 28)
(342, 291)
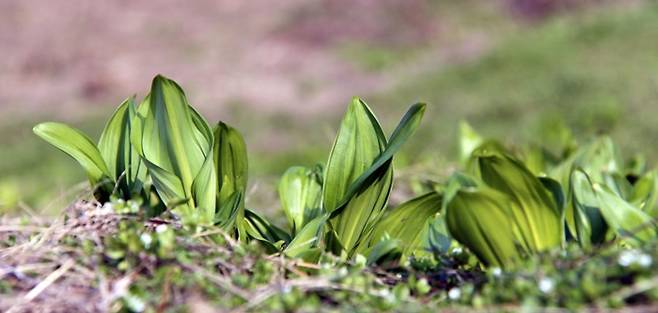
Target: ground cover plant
(167, 227)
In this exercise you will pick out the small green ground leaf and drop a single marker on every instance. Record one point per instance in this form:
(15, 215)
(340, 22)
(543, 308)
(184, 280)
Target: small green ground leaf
(408, 222)
(300, 191)
(77, 145)
(481, 220)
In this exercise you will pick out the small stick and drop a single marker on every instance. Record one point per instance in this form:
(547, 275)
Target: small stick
(38, 289)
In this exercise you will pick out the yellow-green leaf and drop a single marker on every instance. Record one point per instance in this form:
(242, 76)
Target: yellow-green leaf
(408, 222)
(77, 145)
(300, 191)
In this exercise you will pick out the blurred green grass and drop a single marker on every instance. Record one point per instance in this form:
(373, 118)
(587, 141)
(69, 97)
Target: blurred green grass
(595, 71)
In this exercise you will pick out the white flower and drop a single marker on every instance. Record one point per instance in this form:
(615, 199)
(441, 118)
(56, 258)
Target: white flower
(106, 209)
(496, 271)
(626, 258)
(454, 293)
(644, 260)
(134, 206)
(161, 228)
(146, 239)
(546, 285)
(457, 250)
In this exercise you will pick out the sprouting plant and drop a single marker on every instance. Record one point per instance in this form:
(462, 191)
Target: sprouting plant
(338, 208)
(197, 171)
(113, 166)
(503, 212)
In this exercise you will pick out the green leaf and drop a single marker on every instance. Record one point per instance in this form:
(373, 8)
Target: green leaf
(359, 142)
(260, 229)
(203, 190)
(481, 219)
(234, 207)
(386, 249)
(469, 140)
(555, 189)
(307, 238)
(300, 191)
(595, 158)
(230, 159)
(359, 172)
(169, 188)
(626, 220)
(123, 162)
(405, 129)
(408, 222)
(645, 193)
(438, 241)
(77, 145)
(536, 214)
(583, 215)
(174, 137)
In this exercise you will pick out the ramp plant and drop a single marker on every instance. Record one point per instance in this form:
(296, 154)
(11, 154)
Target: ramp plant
(339, 208)
(112, 166)
(503, 206)
(163, 145)
(503, 212)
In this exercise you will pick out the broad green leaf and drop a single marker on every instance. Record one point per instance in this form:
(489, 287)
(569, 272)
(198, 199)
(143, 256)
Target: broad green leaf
(555, 189)
(359, 173)
(123, 162)
(230, 159)
(645, 193)
(536, 214)
(359, 142)
(174, 137)
(535, 159)
(635, 226)
(469, 140)
(406, 127)
(260, 229)
(234, 207)
(595, 158)
(300, 191)
(386, 249)
(408, 222)
(481, 219)
(77, 145)
(618, 183)
(203, 190)
(456, 182)
(307, 238)
(169, 188)
(437, 241)
(583, 216)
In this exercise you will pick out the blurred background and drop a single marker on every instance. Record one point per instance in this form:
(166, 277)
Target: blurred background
(283, 72)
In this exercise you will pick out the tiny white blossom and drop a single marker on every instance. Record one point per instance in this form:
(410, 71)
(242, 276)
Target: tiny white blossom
(496, 271)
(161, 228)
(360, 260)
(644, 260)
(546, 285)
(457, 250)
(627, 258)
(146, 239)
(134, 206)
(454, 293)
(107, 208)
